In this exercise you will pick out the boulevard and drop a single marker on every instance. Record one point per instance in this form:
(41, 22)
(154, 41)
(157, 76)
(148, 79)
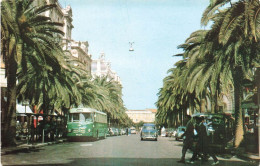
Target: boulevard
(113, 151)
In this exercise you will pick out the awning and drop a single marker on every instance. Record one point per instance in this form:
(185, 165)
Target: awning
(21, 109)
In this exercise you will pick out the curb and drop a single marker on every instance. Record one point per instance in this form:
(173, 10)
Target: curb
(23, 147)
(240, 153)
(249, 156)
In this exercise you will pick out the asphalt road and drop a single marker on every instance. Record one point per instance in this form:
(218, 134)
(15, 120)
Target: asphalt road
(112, 151)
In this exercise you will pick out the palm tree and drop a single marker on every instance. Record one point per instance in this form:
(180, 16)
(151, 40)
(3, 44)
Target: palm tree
(237, 37)
(22, 27)
(173, 98)
(46, 88)
(109, 97)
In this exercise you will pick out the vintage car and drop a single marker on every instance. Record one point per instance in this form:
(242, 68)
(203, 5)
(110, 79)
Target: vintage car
(113, 131)
(163, 132)
(149, 131)
(170, 132)
(219, 129)
(180, 132)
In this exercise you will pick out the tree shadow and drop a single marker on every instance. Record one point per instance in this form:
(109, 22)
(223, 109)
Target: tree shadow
(140, 162)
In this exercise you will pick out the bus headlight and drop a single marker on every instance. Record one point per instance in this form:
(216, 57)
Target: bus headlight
(88, 130)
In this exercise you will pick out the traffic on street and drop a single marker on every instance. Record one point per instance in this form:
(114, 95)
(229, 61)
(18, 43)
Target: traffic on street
(130, 83)
(122, 150)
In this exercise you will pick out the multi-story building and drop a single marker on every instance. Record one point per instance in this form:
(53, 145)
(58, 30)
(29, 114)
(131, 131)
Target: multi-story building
(147, 115)
(75, 49)
(79, 50)
(101, 67)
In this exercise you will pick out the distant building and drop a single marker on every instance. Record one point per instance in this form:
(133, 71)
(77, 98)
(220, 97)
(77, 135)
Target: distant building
(101, 67)
(147, 115)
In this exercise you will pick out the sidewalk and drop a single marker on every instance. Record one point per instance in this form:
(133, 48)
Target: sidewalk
(247, 155)
(25, 146)
(243, 154)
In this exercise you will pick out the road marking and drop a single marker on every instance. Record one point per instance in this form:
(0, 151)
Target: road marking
(86, 145)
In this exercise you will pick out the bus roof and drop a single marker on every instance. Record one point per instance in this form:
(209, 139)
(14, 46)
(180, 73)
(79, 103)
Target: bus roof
(82, 110)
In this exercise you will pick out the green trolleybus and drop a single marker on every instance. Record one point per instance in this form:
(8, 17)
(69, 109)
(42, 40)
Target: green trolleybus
(86, 123)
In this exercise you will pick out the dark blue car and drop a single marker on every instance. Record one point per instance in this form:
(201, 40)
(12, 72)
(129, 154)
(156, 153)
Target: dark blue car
(149, 131)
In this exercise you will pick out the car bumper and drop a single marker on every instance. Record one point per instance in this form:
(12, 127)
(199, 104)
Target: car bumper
(149, 137)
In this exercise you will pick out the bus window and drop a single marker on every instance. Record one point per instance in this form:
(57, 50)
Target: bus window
(82, 117)
(75, 117)
(87, 117)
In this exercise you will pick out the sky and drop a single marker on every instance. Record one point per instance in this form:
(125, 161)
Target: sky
(156, 27)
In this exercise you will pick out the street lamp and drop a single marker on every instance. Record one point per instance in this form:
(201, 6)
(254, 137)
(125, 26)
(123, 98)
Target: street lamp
(131, 46)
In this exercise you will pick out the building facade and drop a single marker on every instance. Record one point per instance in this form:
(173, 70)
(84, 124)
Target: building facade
(79, 51)
(147, 115)
(76, 49)
(101, 67)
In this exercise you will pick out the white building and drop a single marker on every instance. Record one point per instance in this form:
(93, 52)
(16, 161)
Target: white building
(101, 67)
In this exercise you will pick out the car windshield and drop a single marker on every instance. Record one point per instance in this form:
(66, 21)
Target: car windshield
(181, 129)
(149, 127)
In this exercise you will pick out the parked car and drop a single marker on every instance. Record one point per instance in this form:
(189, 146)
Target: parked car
(180, 132)
(114, 131)
(133, 130)
(149, 131)
(174, 133)
(123, 131)
(170, 132)
(163, 132)
(108, 132)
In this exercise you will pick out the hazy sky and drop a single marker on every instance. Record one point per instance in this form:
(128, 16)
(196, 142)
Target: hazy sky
(156, 27)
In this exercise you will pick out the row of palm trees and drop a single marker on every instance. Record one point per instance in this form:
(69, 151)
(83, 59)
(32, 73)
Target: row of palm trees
(38, 70)
(214, 61)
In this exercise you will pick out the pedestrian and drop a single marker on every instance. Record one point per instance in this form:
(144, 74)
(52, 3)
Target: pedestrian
(188, 140)
(203, 144)
(127, 131)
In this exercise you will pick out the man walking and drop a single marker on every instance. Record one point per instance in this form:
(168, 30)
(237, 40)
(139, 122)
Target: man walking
(188, 140)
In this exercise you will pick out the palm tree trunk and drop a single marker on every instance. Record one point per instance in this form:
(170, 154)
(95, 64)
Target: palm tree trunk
(202, 105)
(191, 107)
(9, 125)
(239, 132)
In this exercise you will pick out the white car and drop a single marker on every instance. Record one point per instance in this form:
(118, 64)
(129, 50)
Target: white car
(133, 131)
(163, 132)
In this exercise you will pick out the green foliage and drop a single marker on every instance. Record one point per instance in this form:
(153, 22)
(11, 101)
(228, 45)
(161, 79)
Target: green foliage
(210, 57)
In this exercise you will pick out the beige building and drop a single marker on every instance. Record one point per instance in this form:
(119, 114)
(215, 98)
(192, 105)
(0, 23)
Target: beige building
(101, 67)
(79, 51)
(76, 49)
(147, 115)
